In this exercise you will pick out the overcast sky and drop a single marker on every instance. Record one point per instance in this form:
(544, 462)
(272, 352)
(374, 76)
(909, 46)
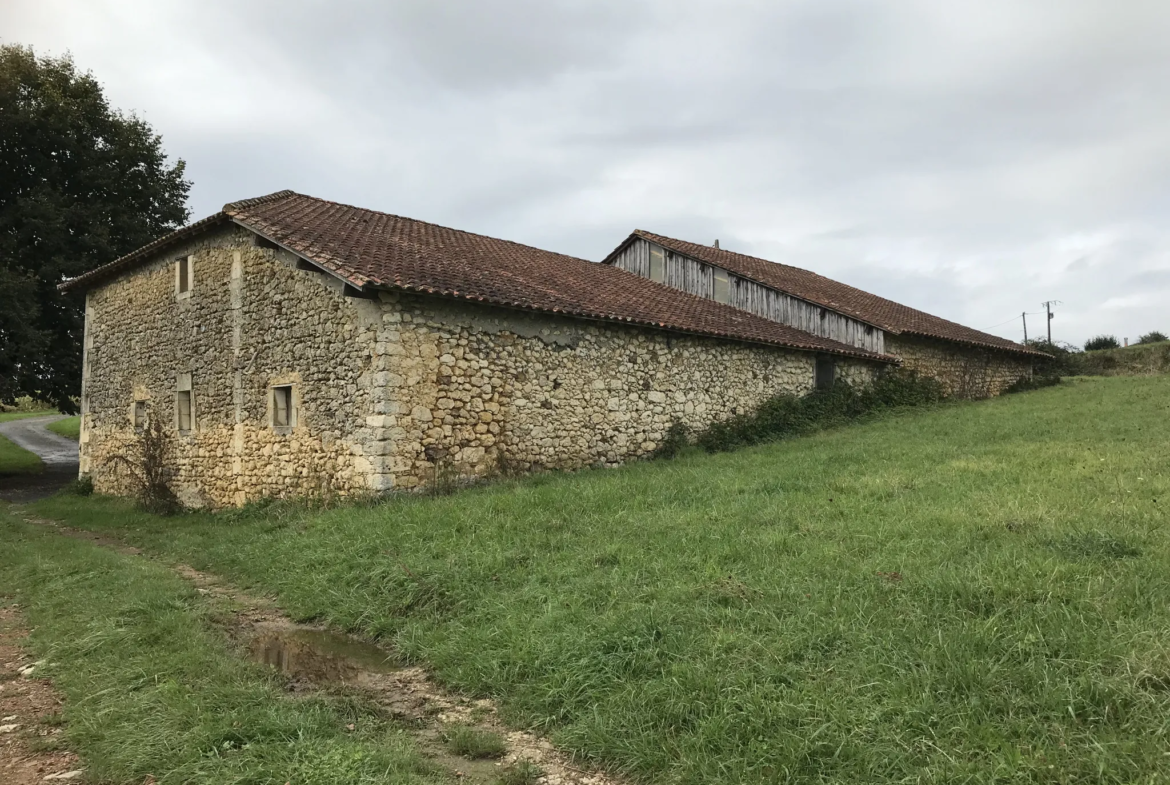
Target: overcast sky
(972, 159)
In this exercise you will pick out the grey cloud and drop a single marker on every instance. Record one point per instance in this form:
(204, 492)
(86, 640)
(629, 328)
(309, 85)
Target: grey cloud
(970, 159)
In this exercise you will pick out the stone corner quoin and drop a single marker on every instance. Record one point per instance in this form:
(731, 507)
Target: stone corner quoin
(272, 382)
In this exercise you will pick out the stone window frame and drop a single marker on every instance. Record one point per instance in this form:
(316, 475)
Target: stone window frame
(292, 389)
(185, 389)
(187, 261)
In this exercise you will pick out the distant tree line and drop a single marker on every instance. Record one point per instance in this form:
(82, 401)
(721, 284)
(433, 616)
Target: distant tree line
(1110, 341)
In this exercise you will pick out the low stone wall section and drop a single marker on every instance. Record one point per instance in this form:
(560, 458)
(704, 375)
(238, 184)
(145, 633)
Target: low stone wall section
(965, 371)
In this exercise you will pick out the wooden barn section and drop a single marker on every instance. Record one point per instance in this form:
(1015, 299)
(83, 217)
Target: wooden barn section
(679, 271)
(969, 362)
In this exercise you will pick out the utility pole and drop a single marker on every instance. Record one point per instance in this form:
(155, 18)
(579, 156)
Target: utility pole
(1024, 316)
(1048, 308)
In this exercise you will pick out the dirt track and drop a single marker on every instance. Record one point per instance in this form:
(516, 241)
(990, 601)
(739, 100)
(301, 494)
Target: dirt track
(29, 706)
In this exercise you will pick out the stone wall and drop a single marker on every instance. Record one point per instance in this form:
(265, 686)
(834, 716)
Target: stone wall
(965, 371)
(251, 320)
(472, 390)
(391, 393)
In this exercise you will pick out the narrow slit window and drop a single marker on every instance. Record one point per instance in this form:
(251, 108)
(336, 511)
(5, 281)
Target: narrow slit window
(139, 415)
(183, 401)
(283, 411)
(184, 274)
(657, 265)
(826, 372)
(722, 286)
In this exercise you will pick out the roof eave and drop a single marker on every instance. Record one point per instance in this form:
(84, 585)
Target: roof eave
(981, 344)
(132, 259)
(626, 243)
(353, 280)
(610, 319)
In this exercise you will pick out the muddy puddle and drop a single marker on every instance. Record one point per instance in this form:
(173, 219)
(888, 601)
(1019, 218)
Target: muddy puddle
(318, 655)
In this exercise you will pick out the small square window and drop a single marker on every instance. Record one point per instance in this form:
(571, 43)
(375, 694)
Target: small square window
(183, 409)
(139, 415)
(284, 413)
(657, 264)
(826, 372)
(722, 286)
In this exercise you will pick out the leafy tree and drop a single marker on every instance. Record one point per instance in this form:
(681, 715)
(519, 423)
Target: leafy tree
(1101, 342)
(1153, 337)
(1064, 359)
(80, 185)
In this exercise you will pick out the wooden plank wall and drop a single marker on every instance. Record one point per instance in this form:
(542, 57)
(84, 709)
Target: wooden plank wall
(698, 278)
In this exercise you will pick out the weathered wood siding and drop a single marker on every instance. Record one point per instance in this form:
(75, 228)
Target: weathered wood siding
(698, 278)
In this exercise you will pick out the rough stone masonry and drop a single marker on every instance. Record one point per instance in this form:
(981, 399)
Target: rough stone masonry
(274, 382)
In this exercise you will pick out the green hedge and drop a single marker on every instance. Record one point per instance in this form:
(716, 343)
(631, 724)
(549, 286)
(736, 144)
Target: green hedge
(790, 415)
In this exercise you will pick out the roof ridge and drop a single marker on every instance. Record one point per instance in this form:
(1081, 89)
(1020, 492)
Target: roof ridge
(892, 322)
(271, 197)
(648, 235)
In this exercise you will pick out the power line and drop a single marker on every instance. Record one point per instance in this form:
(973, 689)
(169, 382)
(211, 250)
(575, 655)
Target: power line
(1001, 324)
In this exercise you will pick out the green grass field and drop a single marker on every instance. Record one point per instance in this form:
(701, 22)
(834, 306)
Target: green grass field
(17, 460)
(152, 689)
(974, 593)
(1135, 360)
(14, 459)
(70, 427)
(9, 416)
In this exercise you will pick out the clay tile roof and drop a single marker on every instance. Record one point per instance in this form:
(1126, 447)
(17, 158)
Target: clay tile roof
(863, 306)
(376, 250)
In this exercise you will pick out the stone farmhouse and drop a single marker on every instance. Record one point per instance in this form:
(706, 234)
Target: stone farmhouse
(292, 345)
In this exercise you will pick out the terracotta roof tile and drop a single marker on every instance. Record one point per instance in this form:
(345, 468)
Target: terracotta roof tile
(878, 311)
(372, 249)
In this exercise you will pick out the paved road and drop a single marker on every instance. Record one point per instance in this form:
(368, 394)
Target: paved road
(58, 454)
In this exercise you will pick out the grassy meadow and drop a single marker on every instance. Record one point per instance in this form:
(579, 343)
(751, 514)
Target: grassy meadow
(154, 693)
(1135, 360)
(70, 427)
(24, 415)
(14, 459)
(17, 460)
(977, 592)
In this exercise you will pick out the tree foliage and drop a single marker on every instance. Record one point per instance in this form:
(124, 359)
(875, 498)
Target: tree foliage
(1153, 337)
(80, 185)
(1102, 342)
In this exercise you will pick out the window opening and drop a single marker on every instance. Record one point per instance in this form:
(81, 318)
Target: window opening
(826, 371)
(283, 414)
(657, 264)
(722, 286)
(184, 409)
